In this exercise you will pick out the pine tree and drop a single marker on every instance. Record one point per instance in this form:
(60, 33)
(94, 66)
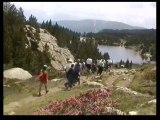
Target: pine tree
(130, 65)
(121, 63)
(33, 21)
(127, 64)
(106, 56)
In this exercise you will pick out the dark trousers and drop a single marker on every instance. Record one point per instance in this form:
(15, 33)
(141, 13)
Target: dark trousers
(100, 69)
(77, 78)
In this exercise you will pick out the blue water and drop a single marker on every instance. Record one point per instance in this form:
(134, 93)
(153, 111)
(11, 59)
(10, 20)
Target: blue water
(117, 53)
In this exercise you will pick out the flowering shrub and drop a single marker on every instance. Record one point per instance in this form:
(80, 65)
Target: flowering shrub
(93, 102)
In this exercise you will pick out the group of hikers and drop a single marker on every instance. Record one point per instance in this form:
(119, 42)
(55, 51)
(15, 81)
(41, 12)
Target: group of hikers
(73, 71)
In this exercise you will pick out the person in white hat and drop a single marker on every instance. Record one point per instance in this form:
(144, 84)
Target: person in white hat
(89, 64)
(77, 71)
(66, 68)
(68, 65)
(110, 63)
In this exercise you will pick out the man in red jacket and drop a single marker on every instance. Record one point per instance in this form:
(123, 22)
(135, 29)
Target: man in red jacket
(43, 77)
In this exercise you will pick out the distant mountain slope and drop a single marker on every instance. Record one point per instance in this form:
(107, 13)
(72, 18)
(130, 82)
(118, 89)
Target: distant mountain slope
(95, 26)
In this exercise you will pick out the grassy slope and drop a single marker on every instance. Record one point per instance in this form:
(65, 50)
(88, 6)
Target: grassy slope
(126, 102)
(144, 80)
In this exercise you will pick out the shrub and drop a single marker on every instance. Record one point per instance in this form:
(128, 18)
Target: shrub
(150, 75)
(93, 102)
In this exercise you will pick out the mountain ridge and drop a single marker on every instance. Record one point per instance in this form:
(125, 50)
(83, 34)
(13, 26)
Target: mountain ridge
(91, 25)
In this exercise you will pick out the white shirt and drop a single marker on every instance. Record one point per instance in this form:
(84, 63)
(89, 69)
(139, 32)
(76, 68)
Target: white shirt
(98, 62)
(89, 61)
(109, 61)
(68, 65)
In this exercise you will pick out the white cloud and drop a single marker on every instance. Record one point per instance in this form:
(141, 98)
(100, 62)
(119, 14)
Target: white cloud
(133, 13)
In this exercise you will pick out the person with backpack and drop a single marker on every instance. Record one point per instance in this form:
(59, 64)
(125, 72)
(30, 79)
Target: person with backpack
(110, 63)
(66, 68)
(68, 65)
(89, 64)
(43, 78)
(93, 68)
(100, 66)
(77, 71)
(70, 77)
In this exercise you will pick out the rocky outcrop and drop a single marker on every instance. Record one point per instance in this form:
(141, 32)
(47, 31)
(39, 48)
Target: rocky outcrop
(129, 91)
(58, 54)
(94, 84)
(16, 73)
(114, 111)
(122, 71)
(133, 113)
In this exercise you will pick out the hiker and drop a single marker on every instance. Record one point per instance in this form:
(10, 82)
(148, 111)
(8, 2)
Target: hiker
(43, 77)
(70, 77)
(68, 65)
(77, 71)
(100, 66)
(110, 63)
(66, 68)
(103, 63)
(83, 64)
(89, 64)
(93, 67)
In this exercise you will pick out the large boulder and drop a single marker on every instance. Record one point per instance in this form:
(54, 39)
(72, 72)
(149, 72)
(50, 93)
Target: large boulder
(58, 54)
(16, 73)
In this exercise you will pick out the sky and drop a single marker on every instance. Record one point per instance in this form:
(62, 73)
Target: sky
(142, 14)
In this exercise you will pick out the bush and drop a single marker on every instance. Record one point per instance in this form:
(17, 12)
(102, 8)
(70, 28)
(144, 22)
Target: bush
(93, 102)
(150, 75)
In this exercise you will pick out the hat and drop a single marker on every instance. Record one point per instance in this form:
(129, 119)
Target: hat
(70, 60)
(78, 60)
(45, 67)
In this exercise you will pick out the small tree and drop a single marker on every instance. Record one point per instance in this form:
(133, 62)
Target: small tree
(106, 56)
(127, 64)
(130, 64)
(121, 62)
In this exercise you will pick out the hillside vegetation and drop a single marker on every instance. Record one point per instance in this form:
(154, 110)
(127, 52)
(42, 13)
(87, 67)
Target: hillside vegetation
(128, 90)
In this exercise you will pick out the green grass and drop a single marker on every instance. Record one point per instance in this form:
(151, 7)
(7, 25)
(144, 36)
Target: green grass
(104, 79)
(149, 109)
(60, 95)
(118, 81)
(144, 81)
(128, 102)
(24, 89)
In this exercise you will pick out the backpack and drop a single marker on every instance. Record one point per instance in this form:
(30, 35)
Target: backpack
(77, 68)
(42, 76)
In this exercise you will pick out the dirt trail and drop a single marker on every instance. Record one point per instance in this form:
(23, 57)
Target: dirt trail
(110, 80)
(11, 107)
